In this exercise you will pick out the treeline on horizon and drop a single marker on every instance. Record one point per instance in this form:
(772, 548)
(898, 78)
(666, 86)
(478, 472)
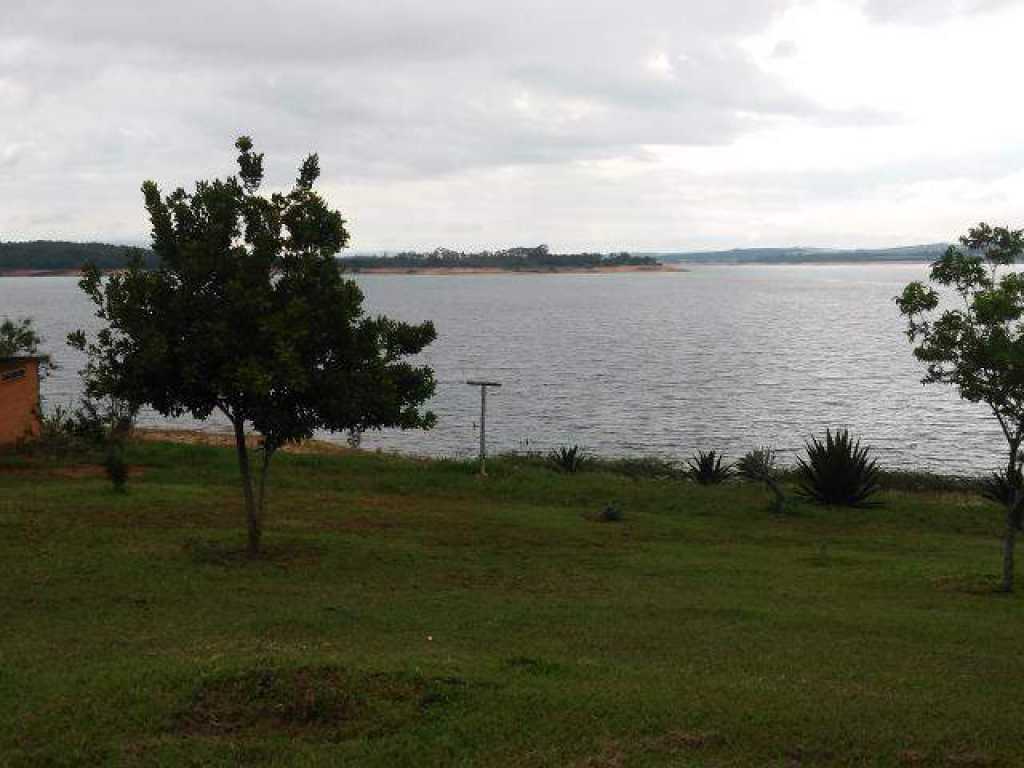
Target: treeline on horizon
(909, 253)
(521, 258)
(46, 255)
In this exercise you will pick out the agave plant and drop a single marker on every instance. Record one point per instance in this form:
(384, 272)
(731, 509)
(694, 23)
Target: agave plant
(707, 468)
(838, 472)
(569, 458)
(758, 465)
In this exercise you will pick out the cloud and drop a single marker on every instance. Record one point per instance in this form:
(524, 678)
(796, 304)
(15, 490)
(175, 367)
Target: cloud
(416, 105)
(929, 11)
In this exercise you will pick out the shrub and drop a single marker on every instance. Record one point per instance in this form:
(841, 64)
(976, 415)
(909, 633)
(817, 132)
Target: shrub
(838, 471)
(569, 458)
(999, 487)
(759, 466)
(707, 468)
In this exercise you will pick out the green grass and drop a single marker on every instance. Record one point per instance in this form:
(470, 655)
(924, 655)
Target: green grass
(409, 613)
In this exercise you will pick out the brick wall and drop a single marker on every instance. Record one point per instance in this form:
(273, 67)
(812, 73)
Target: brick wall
(19, 400)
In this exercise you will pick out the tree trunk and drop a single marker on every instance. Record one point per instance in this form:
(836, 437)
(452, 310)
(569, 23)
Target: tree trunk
(261, 494)
(252, 516)
(1012, 519)
(1009, 543)
(780, 499)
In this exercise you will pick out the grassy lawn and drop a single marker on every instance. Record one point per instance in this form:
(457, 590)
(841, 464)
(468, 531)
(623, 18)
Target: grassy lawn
(411, 614)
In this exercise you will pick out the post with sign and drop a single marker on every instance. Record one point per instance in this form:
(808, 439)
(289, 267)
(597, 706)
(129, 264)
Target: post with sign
(483, 420)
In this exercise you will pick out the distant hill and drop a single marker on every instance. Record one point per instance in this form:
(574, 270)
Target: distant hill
(928, 252)
(57, 255)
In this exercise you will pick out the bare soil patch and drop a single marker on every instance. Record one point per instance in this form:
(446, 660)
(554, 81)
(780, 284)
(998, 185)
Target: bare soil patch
(321, 703)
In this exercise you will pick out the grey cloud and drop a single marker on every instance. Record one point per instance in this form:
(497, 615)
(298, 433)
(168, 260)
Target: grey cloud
(394, 94)
(929, 11)
(388, 87)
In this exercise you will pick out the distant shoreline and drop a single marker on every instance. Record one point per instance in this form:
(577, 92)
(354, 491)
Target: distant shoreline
(504, 271)
(43, 272)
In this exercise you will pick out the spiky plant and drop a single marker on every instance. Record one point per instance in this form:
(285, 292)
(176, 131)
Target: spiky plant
(758, 465)
(707, 468)
(569, 458)
(838, 472)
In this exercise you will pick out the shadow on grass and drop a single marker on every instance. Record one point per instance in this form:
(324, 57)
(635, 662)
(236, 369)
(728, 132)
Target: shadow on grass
(231, 554)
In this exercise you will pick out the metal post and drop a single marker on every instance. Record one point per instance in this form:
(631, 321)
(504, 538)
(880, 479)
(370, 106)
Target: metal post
(483, 420)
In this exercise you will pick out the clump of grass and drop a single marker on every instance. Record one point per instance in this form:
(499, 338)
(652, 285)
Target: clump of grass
(569, 458)
(759, 466)
(838, 472)
(647, 467)
(708, 468)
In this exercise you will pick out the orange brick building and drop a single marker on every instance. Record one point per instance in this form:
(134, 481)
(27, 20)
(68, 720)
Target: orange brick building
(19, 398)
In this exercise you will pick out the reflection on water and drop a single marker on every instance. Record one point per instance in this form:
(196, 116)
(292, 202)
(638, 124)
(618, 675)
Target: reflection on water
(724, 358)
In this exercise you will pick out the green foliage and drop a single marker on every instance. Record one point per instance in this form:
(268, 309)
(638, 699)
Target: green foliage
(838, 472)
(18, 338)
(977, 344)
(248, 314)
(707, 468)
(570, 458)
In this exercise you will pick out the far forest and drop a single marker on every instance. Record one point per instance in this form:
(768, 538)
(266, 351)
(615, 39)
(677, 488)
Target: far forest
(512, 259)
(56, 255)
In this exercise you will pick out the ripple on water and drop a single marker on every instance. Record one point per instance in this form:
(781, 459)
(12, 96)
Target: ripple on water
(723, 358)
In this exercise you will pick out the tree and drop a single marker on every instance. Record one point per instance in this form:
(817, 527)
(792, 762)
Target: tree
(247, 313)
(18, 337)
(974, 340)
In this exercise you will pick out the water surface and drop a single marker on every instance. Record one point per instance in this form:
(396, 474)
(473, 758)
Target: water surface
(720, 357)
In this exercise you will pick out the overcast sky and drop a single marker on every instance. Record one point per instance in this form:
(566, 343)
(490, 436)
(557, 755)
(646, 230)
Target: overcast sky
(584, 124)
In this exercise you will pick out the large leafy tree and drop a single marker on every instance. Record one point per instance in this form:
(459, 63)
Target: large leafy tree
(973, 339)
(248, 314)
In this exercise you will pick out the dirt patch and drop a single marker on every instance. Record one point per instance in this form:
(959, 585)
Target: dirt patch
(612, 756)
(971, 584)
(320, 703)
(285, 554)
(71, 472)
(682, 741)
(911, 757)
(969, 759)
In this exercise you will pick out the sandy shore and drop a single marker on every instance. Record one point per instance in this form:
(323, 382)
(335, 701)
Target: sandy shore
(225, 439)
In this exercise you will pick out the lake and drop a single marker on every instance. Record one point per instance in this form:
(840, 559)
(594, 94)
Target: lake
(719, 357)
